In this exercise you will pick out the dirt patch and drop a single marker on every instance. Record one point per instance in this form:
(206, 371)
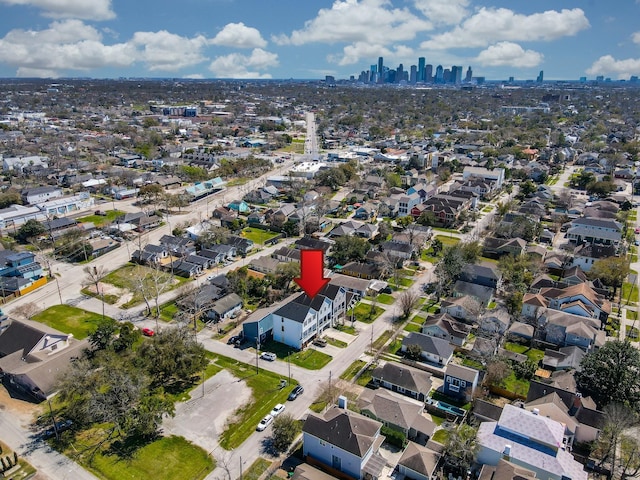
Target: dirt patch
(26, 411)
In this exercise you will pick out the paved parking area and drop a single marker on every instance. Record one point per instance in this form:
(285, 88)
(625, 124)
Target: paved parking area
(202, 419)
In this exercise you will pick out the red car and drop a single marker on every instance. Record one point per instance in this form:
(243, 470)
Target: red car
(147, 332)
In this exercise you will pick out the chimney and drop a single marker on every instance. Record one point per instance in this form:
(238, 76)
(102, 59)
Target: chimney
(506, 453)
(536, 411)
(342, 402)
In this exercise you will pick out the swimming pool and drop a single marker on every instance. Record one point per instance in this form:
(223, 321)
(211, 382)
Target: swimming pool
(445, 407)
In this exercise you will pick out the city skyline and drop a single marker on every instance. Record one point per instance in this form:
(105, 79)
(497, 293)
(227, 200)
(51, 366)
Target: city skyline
(305, 40)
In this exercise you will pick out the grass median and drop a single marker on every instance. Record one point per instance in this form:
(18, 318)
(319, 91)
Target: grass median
(266, 393)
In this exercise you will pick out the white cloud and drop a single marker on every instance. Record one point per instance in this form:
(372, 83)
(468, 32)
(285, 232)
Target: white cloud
(635, 37)
(607, 65)
(240, 36)
(509, 54)
(447, 12)
(83, 9)
(65, 45)
(236, 65)
(167, 51)
(71, 45)
(194, 76)
(489, 25)
(352, 21)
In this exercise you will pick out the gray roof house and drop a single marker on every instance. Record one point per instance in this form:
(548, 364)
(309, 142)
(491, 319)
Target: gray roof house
(409, 381)
(434, 349)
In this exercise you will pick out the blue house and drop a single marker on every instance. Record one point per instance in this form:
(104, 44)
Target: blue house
(460, 382)
(239, 206)
(22, 264)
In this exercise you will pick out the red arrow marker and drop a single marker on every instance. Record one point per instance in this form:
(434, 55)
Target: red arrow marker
(311, 272)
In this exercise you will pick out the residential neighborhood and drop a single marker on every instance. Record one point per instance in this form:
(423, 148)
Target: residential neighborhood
(478, 311)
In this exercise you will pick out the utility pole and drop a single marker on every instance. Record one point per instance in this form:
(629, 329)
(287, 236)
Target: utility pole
(53, 419)
(289, 364)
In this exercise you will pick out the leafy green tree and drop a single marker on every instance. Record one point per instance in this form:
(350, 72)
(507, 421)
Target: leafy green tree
(10, 197)
(612, 374)
(285, 430)
(461, 448)
(527, 188)
(172, 356)
(110, 389)
(103, 335)
(348, 248)
(31, 229)
(414, 352)
(612, 271)
(127, 336)
(436, 246)
(332, 177)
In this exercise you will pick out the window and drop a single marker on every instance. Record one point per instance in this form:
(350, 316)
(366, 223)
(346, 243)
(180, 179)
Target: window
(323, 443)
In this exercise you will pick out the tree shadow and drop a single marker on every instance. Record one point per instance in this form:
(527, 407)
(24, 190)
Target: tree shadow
(125, 448)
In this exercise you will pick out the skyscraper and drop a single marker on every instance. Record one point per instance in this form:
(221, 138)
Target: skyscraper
(439, 74)
(380, 70)
(540, 78)
(420, 73)
(469, 75)
(456, 74)
(428, 73)
(399, 73)
(413, 76)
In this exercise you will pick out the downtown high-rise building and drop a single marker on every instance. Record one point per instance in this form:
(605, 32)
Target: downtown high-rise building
(469, 75)
(380, 70)
(428, 73)
(421, 73)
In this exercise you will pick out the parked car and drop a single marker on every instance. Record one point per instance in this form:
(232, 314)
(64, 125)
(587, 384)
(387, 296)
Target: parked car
(386, 290)
(264, 423)
(147, 332)
(240, 341)
(233, 339)
(296, 392)
(637, 230)
(268, 356)
(277, 410)
(60, 426)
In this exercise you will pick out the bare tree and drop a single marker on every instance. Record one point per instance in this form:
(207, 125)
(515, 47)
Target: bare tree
(407, 301)
(26, 311)
(152, 282)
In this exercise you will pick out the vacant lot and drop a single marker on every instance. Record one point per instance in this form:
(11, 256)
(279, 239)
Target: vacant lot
(101, 220)
(166, 458)
(130, 278)
(69, 319)
(310, 358)
(367, 313)
(257, 236)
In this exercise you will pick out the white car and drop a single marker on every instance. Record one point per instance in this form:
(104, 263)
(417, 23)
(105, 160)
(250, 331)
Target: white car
(264, 423)
(268, 356)
(277, 410)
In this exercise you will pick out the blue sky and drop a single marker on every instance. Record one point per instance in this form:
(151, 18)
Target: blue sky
(313, 38)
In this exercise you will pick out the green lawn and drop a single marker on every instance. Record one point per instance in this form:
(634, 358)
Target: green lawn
(412, 327)
(166, 458)
(346, 329)
(385, 298)
(519, 386)
(631, 315)
(100, 220)
(364, 379)
(69, 319)
(367, 313)
(448, 241)
(402, 282)
(431, 308)
(256, 469)
(440, 436)
(382, 339)
(428, 256)
(258, 236)
(265, 394)
(354, 368)
(310, 358)
(336, 343)
(629, 293)
(168, 311)
(125, 276)
(394, 346)
(533, 354)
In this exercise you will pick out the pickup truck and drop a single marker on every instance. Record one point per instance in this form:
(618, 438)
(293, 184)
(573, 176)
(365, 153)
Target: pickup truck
(320, 342)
